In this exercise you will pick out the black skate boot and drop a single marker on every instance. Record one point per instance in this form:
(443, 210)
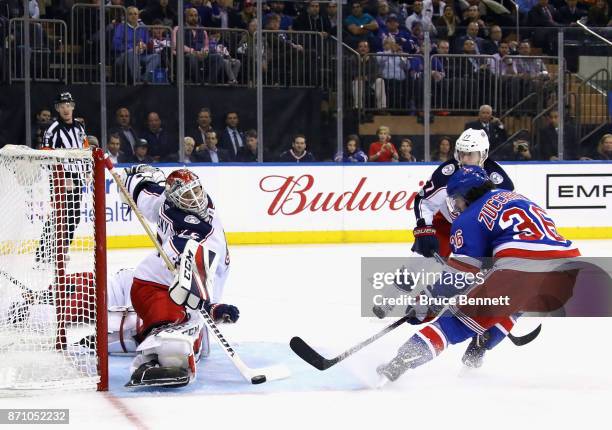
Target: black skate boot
(475, 351)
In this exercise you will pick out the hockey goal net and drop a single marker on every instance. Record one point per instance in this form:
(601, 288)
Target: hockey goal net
(52, 270)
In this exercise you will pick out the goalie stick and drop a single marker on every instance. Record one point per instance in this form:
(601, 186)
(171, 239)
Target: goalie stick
(253, 375)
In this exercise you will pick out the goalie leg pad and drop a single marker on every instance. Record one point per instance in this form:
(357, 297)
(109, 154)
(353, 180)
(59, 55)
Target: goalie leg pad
(173, 346)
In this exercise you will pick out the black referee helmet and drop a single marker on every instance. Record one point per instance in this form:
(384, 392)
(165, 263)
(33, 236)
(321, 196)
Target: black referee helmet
(64, 98)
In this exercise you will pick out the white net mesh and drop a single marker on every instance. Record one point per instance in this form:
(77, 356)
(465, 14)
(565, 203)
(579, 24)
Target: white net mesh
(47, 278)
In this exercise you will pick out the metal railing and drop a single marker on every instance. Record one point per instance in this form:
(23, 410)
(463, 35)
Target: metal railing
(463, 82)
(84, 44)
(296, 59)
(48, 56)
(213, 56)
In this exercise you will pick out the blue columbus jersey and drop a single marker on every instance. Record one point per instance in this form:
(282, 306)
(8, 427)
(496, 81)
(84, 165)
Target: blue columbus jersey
(503, 223)
(432, 197)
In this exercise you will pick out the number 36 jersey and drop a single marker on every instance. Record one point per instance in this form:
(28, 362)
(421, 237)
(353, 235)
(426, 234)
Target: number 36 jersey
(506, 224)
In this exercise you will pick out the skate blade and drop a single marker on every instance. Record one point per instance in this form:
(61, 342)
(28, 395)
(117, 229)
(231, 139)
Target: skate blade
(382, 381)
(168, 383)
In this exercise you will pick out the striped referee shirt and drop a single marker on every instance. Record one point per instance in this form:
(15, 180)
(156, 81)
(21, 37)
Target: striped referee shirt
(61, 135)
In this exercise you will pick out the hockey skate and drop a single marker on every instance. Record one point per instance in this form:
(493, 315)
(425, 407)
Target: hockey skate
(408, 357)
(151, 374)
(475, 351)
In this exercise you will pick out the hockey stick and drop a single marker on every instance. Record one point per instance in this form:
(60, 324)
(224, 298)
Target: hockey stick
(527, 338)
(312, 357)
(255, 376)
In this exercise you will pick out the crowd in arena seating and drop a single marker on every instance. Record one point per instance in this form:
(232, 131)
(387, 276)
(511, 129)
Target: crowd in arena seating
(385, 73)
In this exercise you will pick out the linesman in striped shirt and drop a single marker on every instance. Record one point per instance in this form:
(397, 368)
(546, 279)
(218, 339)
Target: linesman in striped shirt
(68, 181)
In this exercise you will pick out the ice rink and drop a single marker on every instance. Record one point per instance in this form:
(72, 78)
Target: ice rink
(561, 380)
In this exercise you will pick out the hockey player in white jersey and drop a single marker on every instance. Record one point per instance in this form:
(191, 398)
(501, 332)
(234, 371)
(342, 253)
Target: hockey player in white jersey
(170, 338)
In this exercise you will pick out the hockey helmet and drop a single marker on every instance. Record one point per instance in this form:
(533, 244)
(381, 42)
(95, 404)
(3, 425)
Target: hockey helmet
(472, 140)
(461, 183)
(184, 190)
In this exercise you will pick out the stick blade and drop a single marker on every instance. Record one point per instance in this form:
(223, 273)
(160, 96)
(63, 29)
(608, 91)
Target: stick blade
(309, 355)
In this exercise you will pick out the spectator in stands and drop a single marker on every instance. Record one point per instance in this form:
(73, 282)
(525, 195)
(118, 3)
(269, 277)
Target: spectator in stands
(598, 14)
(520, 151)
(231, 66)
(160, 10)
(360, 26)
(197, 51)
(444, 152)
(472, 14)
(352, 152)
(283, 56)
(247, 14)
(383, 150)
(231, 138)
(160, 43)
(331, 11)
(491, 45)
(312, 20)
(400, 36)
(571, 12)
(405, 151)
(157, 137)
(113, 149)
(419, 15)
(471, 34)
(125, 131)
(544, 15)
(298, 152)
(604, 148)
(369, 80)
(224, 15)
(530, 67)
(436, 7)
(190, 154)
(141, 153)
(446, 25)
(504, 67)
(494, 128)
(205, 11)
(278, 8)
(203, 126)
(548, 138)
(213, 154)
(382, 13)
(248, 153)
(43, 120)
(34, 9)
(393, 69)
(130, 42)
(247, 47)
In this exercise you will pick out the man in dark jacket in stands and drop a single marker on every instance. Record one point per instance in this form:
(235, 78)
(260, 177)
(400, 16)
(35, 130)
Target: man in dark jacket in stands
(298, 152)
(492, 126)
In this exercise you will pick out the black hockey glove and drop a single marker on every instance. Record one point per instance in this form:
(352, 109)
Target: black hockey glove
(425, 240)
(220, 312)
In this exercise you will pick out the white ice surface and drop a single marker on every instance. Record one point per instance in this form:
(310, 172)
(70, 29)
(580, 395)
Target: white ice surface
(561, 380)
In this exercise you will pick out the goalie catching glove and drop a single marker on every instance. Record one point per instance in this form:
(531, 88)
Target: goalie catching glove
(137, 177)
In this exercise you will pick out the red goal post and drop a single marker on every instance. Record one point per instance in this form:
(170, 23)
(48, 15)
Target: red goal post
(53, 328)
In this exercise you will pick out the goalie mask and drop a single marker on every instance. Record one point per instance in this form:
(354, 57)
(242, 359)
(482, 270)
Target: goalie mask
(472, 147)
(184, 190)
